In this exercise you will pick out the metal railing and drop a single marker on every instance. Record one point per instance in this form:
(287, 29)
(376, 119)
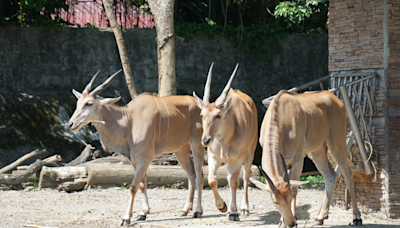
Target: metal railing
(357, 91)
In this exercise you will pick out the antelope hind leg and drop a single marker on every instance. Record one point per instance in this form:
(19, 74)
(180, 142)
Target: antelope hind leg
(187, 165)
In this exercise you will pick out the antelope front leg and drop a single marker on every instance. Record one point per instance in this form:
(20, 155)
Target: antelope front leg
(294, 174)
(246, 175)
(213, 165)
(198, 157)
(141, 169)
(233, 180)
(146, 207)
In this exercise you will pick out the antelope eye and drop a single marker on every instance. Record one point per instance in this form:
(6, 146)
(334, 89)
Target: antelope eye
(219, 115)
(89, 104)
(201, 115)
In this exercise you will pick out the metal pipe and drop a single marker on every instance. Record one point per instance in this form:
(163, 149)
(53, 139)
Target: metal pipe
(353, 82)
(268, 100)
(354, 126)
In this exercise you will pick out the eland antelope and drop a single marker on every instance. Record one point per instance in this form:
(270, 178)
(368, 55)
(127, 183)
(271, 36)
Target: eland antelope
(145, 128)
(230, 133)
(295, 126)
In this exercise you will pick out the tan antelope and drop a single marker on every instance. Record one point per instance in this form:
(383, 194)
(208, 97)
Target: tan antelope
(295, 126)
(145, 128)
(230, 134)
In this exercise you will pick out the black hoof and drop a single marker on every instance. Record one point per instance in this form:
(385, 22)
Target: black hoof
(125, 223)
(234, 217)
(224, 209)
(142, 218)
(197, 215)
(357, 222)
(318, 222)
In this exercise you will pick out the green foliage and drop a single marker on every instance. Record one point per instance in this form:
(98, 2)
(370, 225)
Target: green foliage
(177, 185)
(32, 12)
(315, 181)
(92, 25)
(125, 185)
(36, 183)
(262, 179)
(296, 12)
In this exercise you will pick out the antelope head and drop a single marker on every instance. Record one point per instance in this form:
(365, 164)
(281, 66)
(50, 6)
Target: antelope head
(89, 104)
(213, 114)
(281, 193)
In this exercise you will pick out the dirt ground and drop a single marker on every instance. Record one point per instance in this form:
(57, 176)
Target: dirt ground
(105, 206)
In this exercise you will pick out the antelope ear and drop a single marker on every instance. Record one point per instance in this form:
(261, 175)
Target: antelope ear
(261, 185)
(297, 183)
(77, 94)
(107, 101)
(198, 100)
(228, 103)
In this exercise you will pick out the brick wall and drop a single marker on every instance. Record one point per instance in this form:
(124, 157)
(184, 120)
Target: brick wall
(357, 33)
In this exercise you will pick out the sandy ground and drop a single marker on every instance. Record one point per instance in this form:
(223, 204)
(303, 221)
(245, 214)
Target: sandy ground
(104, 207)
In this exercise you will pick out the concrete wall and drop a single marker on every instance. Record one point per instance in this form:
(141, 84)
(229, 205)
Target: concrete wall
(48, 64)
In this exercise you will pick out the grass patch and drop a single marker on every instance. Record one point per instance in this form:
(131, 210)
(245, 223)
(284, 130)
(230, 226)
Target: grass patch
(315, 181)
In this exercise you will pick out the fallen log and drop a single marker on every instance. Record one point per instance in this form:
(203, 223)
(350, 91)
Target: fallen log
(33, 168)
(107, 173)
(16, 173)
(109, 159)
(86, 155)
(156, 174)
(76, 185)
(53, 176)
(34, 154)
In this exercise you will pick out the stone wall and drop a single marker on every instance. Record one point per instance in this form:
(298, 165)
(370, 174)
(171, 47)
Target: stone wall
(364, 36)
(39, 67)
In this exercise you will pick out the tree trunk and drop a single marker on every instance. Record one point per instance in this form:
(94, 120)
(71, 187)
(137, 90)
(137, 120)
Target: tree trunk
(34, 154)
(121, 47)
(163, 12)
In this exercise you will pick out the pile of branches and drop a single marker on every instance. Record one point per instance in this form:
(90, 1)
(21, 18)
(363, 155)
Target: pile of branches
(72, 176)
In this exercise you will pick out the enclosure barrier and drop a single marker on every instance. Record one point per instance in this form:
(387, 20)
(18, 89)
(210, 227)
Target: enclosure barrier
(357, 91)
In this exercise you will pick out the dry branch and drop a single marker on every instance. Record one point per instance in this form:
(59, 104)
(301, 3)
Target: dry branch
(33, 168)
(109, 159)
(34, 154)
(53, 159)
(85, 156)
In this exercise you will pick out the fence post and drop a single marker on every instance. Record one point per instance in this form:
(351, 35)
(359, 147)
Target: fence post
(354, 126)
